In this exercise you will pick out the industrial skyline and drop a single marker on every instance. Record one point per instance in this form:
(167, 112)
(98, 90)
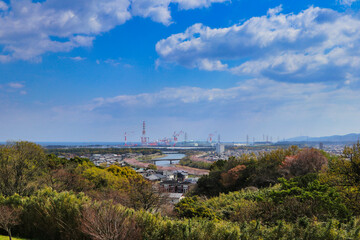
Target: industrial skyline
(179, 136)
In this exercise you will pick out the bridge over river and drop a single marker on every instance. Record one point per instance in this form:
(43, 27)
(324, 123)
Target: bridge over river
(169, 159)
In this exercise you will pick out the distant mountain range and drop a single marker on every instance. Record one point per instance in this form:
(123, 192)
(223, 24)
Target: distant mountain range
(352, 137)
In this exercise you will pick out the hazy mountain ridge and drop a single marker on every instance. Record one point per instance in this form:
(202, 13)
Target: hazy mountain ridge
(352, 137)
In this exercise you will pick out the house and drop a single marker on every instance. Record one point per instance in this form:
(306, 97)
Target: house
(174, 198)
(173, 186)
(153, 178)
(169, 175)
(181, 175)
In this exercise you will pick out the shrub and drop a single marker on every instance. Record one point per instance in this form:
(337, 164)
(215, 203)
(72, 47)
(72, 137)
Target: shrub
(308, 160)
(105, 221)
(52, 215)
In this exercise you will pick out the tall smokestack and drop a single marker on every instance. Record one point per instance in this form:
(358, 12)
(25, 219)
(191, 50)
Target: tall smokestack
(144, 139)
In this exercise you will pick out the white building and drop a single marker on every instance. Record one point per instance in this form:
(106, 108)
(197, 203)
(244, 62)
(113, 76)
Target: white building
(220, 148)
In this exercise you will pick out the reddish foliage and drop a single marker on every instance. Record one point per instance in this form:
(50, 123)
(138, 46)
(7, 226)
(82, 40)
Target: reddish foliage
(228, 178)
(309, 160)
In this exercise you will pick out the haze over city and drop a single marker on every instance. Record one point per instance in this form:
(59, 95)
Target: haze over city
(92, 70)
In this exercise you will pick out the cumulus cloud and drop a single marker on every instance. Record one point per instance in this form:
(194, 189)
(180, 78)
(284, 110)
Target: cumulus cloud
(3, 6)
(347, 2)
(314, 45)
(211, 65)
(157, 10)
(29, 29)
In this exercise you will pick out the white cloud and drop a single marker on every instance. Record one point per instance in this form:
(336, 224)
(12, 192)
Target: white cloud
(252, 107)
(191, 4)
(113, 62)
(250, 90)
(168, 96)
(313, 45)
(347, 2)
(11, 88)
(157, 10)
(274, 11)
(211, 65)
(76, 59)
(3, 6)
(29, 29)
(16, 85)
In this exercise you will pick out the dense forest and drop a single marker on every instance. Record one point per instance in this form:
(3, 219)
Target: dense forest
(283, 194)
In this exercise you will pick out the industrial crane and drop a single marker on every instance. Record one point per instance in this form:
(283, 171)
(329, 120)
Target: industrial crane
(176, 136)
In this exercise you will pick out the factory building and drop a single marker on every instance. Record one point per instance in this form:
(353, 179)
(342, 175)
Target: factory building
(220, 148)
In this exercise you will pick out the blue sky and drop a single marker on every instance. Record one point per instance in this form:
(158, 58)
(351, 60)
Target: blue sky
(92, 70)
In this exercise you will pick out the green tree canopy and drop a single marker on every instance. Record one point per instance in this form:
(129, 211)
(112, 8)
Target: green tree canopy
(21, 163)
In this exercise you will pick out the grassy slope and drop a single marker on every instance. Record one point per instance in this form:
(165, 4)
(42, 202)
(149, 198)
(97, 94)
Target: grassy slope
(14, 238)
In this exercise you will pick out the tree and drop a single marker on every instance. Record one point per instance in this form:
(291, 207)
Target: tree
(353, 155)
(106, 221)
(65, 180)
(145, 195)
(230, 177)
(152, 166)
(21, 163)
(9, 217)
(309, 160)
(53, 216)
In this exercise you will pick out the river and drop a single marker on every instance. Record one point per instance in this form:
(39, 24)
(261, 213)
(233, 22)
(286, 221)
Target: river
(166, 163)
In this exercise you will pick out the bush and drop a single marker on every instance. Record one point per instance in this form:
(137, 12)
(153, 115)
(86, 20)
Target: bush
(306, 196)
(52, 215)
(104, 220)
(308, 160)
(192, 207)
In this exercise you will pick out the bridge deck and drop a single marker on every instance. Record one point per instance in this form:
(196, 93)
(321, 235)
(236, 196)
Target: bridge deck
(165, 159)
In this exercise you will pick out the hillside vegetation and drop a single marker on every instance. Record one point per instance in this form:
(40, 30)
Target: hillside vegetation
(283, 194)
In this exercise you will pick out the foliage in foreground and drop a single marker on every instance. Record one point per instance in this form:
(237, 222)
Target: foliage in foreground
(53, 198)
(291, 200)
(259, 171)
(66, 215)
(13, 238)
